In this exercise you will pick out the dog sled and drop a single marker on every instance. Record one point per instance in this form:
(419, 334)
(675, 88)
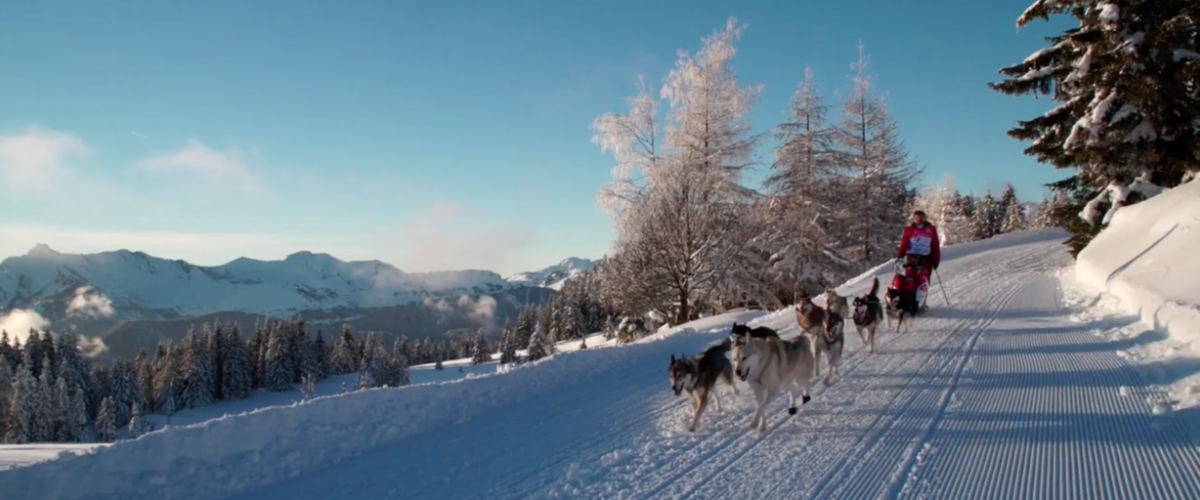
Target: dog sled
(902, 295)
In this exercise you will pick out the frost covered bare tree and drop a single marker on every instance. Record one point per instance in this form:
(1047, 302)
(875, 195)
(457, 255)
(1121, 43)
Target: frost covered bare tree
(1125, 82)
(803, 211)
(679, 208)
(871, 150)
(633, 140)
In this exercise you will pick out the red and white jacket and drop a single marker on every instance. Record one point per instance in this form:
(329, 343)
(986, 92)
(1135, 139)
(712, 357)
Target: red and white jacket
(921, 240)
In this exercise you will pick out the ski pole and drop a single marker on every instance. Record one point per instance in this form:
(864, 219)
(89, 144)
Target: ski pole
(940, 285)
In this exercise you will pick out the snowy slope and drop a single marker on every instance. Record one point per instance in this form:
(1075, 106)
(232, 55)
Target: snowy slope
(134, 281)
(1143, 266)
(998, 394)
(1147, 258)
(22, 455)
(555, 276)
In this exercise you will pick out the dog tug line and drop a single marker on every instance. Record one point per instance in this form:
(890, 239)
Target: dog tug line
(771, 365)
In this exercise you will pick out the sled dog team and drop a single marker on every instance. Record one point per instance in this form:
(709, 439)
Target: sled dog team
(771, 365)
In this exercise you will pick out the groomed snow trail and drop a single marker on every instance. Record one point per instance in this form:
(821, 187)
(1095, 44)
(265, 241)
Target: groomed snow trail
(996, 395)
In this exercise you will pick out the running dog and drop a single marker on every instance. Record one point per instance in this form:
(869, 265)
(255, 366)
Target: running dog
(835, 303)
(867, 312)
(831, 342)
(810, 319)
(741, 331)
(699, 376)
(772, 366)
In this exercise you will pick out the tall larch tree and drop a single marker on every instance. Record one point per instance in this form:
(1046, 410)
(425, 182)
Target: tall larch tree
(684, 226)
(872, 151)
(805, 189)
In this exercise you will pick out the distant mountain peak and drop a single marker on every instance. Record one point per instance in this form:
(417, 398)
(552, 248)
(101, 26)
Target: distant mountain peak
(555, 276)
(41, 249)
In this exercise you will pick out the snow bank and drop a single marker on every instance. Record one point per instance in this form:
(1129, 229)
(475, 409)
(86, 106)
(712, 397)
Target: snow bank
(237, 453)
(1146, 258)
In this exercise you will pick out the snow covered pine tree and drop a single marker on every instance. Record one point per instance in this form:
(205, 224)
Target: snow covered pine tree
(1125, 82)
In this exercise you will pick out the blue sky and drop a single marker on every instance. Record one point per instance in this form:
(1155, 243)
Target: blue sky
(431, 135)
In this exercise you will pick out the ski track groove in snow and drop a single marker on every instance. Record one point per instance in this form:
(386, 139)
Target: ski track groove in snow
(1061, 374)
(910, 463)
(853, 484)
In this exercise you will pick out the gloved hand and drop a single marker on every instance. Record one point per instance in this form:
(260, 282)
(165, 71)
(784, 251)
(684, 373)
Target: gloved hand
(935, 264)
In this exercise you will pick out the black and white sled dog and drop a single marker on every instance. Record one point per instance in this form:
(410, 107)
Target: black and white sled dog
(830, 343)
(699, 376)
(772, 366)
(741, 331)
(868, 310)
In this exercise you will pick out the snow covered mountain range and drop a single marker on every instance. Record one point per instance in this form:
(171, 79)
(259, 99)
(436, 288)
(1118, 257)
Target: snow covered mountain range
(555, 276)
(101, 294)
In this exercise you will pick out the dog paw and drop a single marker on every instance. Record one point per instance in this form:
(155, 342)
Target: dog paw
(792, 410)
(805, 399)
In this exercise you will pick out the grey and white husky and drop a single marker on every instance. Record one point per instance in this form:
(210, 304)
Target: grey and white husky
(831, 342)
(868, 310)
(699, 376)
(772, 366)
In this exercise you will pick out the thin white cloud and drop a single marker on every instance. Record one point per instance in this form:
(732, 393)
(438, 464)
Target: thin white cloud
(141, 135)
(449, 236)
(198, 159)
(33, 160)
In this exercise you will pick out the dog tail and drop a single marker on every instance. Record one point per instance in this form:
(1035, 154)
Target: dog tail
(874, 286)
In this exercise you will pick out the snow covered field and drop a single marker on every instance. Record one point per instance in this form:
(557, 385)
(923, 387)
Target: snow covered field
(20, 455)
(1012, 390)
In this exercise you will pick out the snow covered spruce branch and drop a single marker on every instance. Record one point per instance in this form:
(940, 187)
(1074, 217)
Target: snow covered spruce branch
(1117, 194)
